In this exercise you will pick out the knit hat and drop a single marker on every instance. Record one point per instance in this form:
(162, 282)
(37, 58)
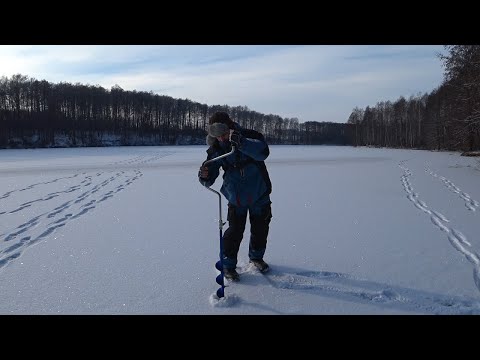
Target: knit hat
(221, 117)
(215, 130)
(220, 123)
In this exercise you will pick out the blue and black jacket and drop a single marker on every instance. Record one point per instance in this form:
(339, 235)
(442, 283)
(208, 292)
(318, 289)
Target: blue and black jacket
(245, 180)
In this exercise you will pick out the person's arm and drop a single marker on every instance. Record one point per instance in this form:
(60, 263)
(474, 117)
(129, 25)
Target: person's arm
(255, 148)
(209, 173)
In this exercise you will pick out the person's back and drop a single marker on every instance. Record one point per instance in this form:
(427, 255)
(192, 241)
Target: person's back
(246, 186)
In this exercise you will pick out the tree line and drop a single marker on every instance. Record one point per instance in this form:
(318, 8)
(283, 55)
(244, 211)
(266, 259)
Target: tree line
(446, 119)
(37, 113)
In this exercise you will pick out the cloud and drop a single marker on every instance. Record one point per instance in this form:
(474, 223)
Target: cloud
(312, 83)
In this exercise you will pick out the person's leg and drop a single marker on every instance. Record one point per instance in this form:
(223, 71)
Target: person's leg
(233, 236)
(260, 217)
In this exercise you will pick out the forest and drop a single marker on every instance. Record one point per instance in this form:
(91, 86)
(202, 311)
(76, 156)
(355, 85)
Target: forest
(37, 114)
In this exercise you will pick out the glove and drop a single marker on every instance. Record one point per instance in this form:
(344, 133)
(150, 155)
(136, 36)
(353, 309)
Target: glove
(236, 138)
(203, 172)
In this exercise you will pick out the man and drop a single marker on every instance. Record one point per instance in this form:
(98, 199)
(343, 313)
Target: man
(246, 186)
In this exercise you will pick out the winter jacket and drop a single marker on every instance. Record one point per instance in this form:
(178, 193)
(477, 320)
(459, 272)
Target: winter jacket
(245, 179)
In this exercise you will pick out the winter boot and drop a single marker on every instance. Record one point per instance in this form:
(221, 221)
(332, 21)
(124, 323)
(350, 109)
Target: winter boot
(231, 274)
(260, 265)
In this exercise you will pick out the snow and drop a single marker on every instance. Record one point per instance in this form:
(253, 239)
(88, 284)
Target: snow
(130, 230)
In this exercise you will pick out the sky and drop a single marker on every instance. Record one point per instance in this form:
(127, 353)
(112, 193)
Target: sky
(131, 231)
(309, 82)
